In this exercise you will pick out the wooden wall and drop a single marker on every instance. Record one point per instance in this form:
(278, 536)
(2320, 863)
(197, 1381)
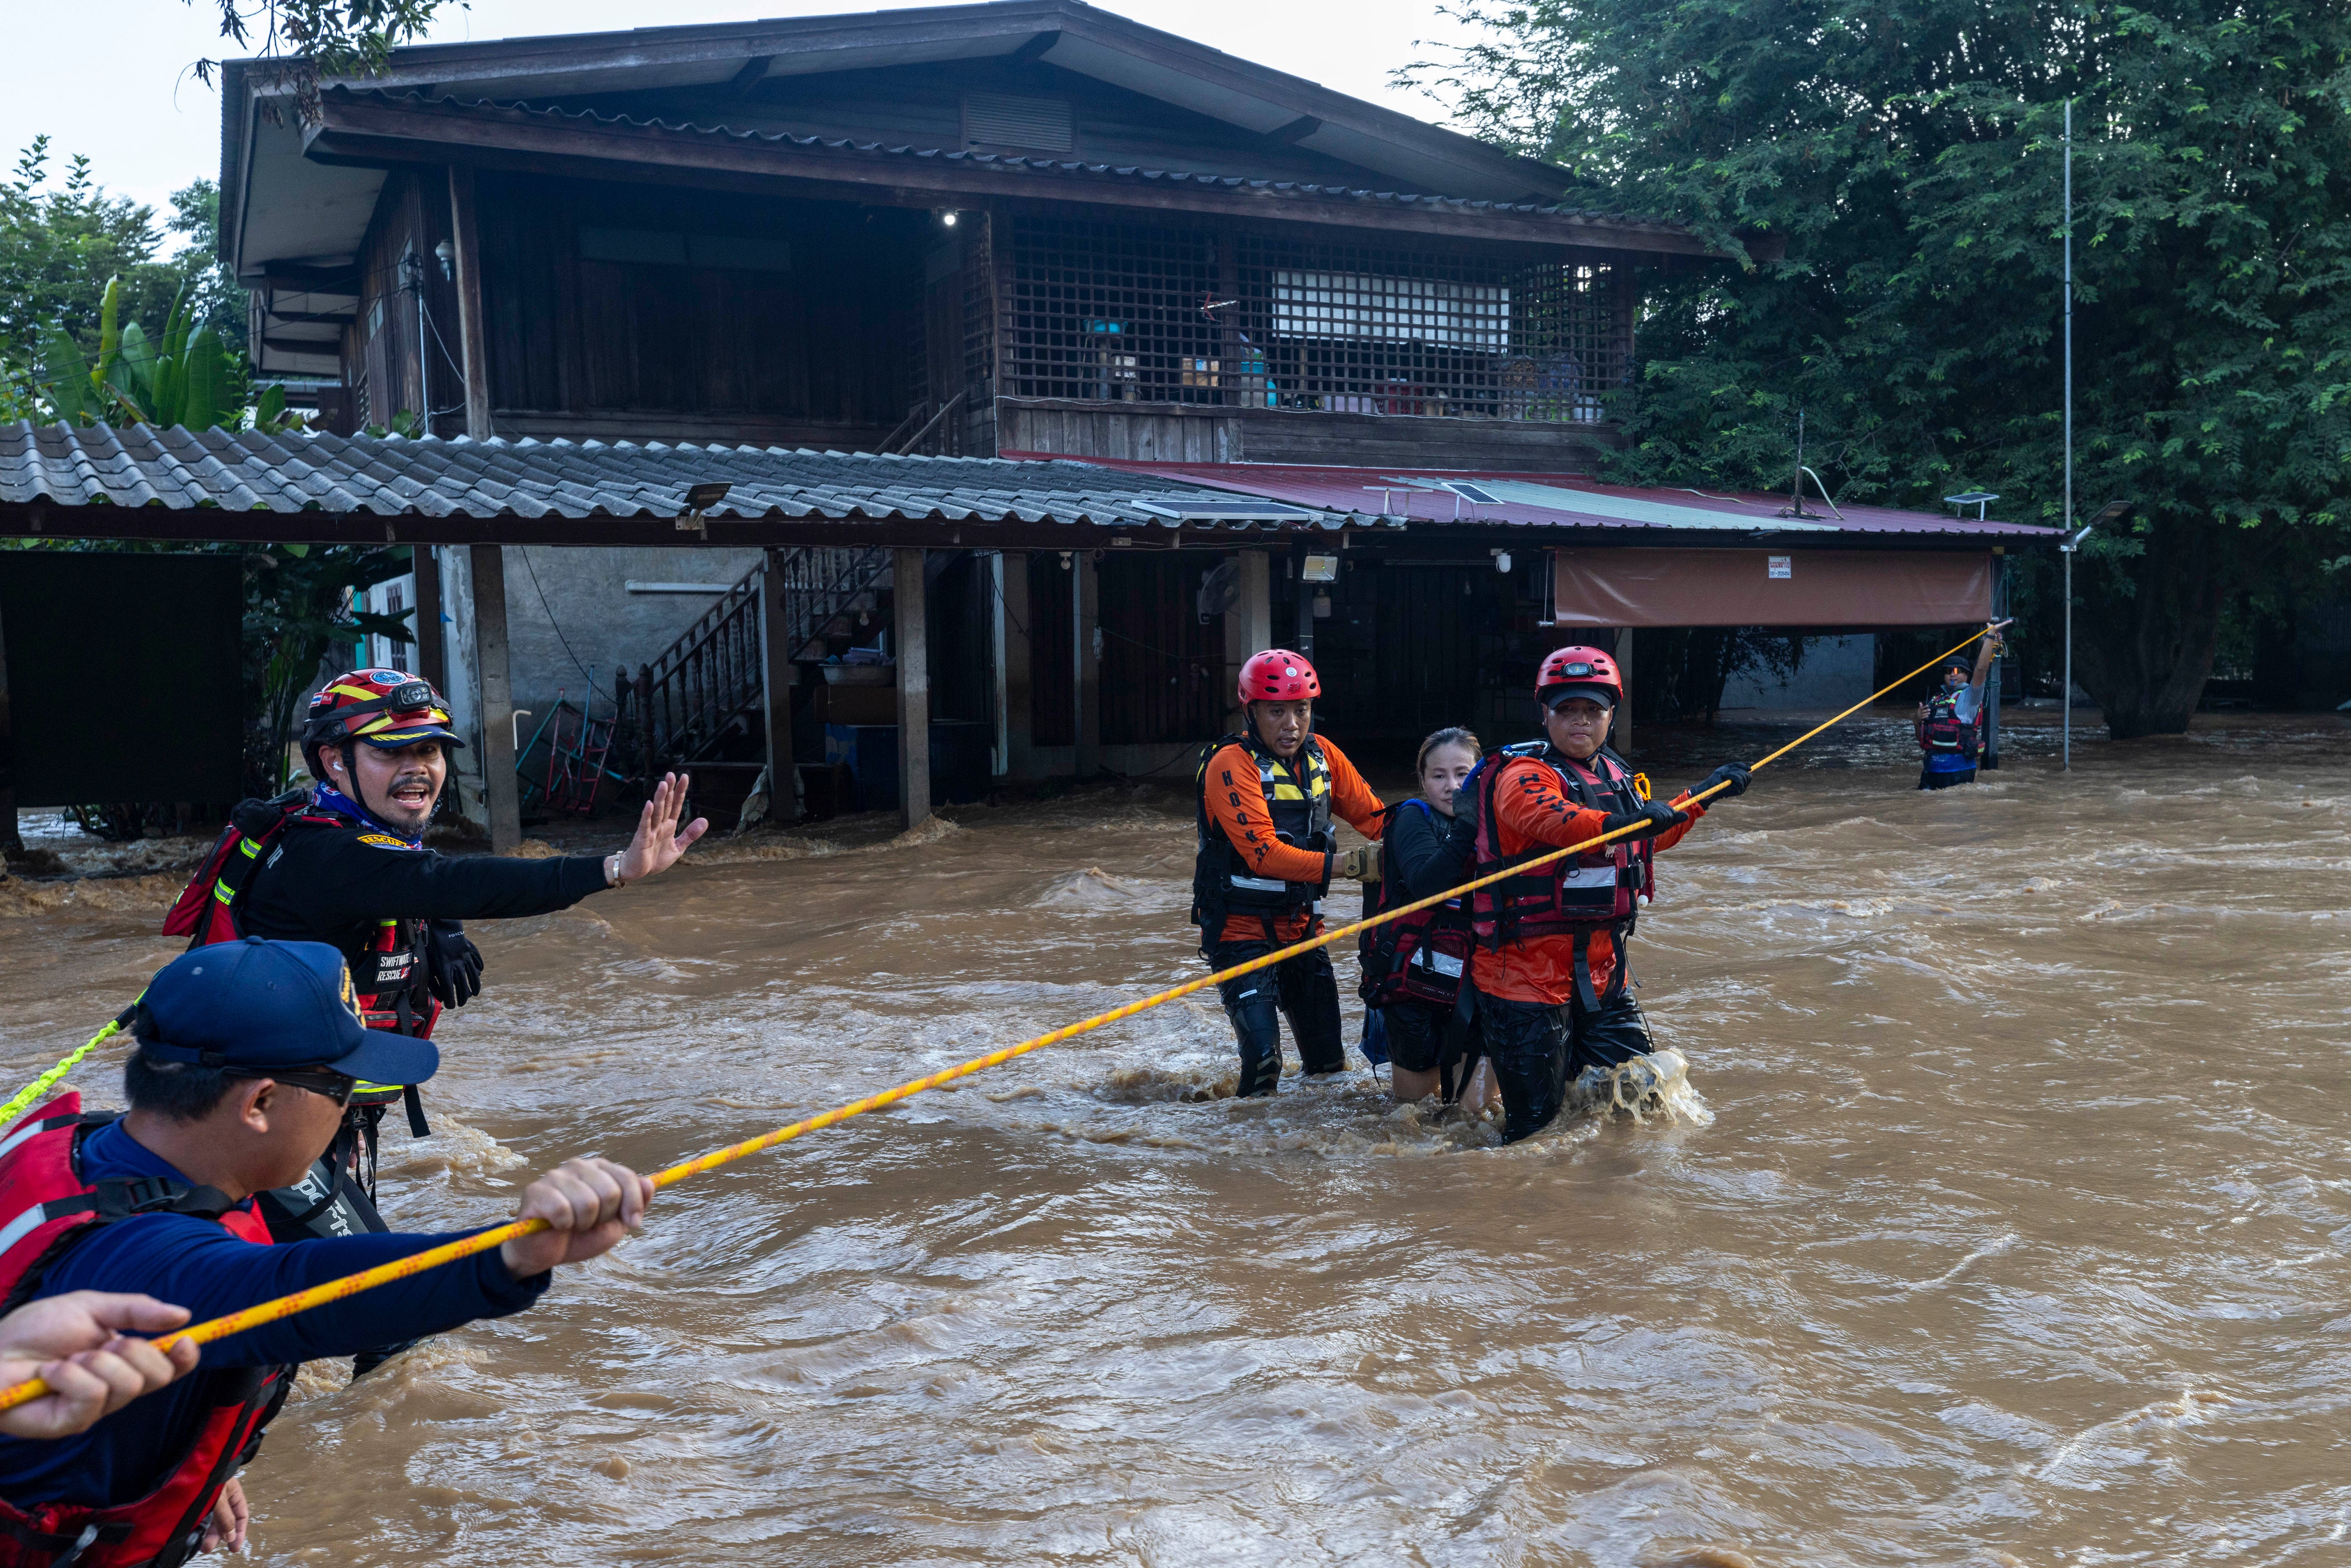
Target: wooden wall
(828, 353)
(381, 347)
(1163, 672)
(1052, 671)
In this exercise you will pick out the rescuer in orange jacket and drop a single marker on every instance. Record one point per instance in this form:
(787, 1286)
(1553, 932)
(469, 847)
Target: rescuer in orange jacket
(1550, 970)
(1265, 855)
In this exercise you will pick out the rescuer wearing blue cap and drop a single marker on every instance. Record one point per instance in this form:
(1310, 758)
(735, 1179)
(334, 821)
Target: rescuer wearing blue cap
(248, 1052)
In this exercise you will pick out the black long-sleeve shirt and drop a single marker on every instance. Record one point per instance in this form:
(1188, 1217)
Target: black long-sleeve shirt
(1424, 851)
(334, 885)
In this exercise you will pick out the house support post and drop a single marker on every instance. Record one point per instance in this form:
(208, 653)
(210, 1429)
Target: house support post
(12, 848)
(500, 803)
(1086, 661)
(1991, 681)
(1013, 667)
(432, 657)
(1248, 624)
(465, 238)
(1622, 739)
(911, 639)
(780, 675)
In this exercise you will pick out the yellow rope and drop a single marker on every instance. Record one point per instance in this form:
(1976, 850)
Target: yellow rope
(39, 1086)
(449, 1252)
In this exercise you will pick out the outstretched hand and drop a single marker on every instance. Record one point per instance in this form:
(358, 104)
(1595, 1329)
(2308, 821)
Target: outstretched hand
(659, 843)
(589, 1205)
(97, 1368)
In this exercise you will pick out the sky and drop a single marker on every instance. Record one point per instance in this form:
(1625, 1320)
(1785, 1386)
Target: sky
(149, 126)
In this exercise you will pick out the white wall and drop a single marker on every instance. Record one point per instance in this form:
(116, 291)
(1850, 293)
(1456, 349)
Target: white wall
(568, 608)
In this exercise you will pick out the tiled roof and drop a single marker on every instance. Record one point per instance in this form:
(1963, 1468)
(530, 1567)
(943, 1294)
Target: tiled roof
(1484, 497)
(392, 476)
(1046, 168)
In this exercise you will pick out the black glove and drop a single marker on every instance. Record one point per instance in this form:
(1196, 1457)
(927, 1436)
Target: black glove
(1729, 773)
(453, 965)
(1653, 818)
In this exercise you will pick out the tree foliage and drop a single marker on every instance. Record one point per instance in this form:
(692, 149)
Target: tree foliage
(1908, 159)
(299, 43)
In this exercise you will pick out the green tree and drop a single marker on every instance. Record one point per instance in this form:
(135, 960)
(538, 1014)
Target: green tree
(300, 42)
(1907, 160)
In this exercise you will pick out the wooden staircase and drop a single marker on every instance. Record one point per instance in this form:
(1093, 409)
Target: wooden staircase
(702, 702)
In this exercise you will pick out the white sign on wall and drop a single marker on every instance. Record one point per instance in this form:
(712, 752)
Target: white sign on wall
(1780, 566)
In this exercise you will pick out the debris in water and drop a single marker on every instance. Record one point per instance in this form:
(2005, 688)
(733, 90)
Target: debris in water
(1656, 1084)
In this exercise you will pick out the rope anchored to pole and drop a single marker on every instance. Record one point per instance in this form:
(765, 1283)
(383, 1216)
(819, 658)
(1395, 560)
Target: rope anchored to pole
(449, 1252)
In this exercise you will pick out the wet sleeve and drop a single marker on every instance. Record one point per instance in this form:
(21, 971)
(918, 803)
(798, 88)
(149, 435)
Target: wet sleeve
(1675, 834)
(1528, 803)
(1236, 803)
(1350, 798)
(1967, 703)
(1421, 856)
(339, 879)
(195, 1264)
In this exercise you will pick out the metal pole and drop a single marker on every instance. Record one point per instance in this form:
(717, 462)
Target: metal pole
(2065, 696)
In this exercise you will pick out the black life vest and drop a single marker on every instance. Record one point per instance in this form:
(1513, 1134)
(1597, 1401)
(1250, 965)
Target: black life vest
(46, 1208)
(1224, 884)
(1418, 958)
(1577, 896)
(1943, 733)
(388, 960)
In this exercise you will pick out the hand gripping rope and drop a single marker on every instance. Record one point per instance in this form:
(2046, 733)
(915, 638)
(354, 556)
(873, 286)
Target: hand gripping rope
(383, 1274)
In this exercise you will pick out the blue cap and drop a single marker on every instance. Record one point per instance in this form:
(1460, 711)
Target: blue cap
(257, 1005)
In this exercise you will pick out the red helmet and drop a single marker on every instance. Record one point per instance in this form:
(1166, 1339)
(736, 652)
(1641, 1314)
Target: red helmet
(1580, 672)
(382, 707)
(1278, 675)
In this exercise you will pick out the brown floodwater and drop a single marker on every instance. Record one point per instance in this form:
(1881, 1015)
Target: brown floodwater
(2021, 1234)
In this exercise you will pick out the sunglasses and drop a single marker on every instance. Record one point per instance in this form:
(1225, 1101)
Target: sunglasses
(336, 1086)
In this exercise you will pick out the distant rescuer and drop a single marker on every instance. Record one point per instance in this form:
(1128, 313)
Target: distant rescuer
(1950, 723)
(344, 863)
(1550, 966)
(1265, 856)
(246, 1054)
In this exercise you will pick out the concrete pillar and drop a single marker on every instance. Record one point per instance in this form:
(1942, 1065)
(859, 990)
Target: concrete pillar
(1086, 631)
(910, 642)
(780, 676)
(1620, 737)
(501, 804)
(1014, 651)
(1248, 624)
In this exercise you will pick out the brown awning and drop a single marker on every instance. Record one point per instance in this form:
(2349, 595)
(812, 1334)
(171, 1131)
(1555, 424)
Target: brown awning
(1770, 588)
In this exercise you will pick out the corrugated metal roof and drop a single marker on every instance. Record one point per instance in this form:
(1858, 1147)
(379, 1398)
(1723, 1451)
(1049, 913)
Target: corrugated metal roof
(1043, 167)
(392, 476)
(1450, 496)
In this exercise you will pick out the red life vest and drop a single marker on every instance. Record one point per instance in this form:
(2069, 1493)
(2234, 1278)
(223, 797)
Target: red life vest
(1942, 733)
(1570, 897)
(388, 965)
(1420, 956)
(46, 1208)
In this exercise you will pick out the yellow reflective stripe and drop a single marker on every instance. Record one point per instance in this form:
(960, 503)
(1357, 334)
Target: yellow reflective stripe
(391, 922)
(364, 1087)
(249, 847)
(1288, 793)
(220, 891)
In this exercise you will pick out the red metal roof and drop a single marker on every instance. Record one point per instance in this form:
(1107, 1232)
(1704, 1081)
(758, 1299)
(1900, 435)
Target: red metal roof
(1448, 495)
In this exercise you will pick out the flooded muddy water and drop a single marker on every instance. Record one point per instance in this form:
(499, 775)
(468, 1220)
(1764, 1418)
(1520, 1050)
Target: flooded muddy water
(2021, 1233)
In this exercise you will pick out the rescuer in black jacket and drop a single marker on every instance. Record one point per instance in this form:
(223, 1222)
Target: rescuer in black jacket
(344, 863)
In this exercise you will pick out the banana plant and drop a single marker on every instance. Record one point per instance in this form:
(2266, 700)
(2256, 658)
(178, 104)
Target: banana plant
(182, 379)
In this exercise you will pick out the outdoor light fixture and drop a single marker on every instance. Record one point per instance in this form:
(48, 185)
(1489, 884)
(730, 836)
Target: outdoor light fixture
(447, 253)
(1501, 561)
(948, 219)
(1321, 569)
(699, 499)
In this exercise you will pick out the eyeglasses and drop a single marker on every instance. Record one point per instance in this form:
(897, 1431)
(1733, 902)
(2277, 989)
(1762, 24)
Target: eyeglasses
(336, 1086)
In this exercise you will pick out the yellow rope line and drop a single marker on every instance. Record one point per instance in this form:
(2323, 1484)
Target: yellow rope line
(449, 1252)
(47, 1081)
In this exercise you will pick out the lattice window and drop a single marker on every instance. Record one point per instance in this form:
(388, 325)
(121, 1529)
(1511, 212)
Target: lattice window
(1127, 313)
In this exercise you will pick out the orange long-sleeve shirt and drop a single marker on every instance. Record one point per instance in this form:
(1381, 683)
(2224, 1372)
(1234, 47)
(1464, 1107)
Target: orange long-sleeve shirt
(1236, 805)
(1531, 813)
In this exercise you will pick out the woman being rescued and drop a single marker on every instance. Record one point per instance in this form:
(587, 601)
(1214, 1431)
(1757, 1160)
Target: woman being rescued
(1413, 967)
(1266, 854)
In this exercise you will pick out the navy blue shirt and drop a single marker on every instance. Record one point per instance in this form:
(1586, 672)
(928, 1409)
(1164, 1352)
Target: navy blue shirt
(196, 1264)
